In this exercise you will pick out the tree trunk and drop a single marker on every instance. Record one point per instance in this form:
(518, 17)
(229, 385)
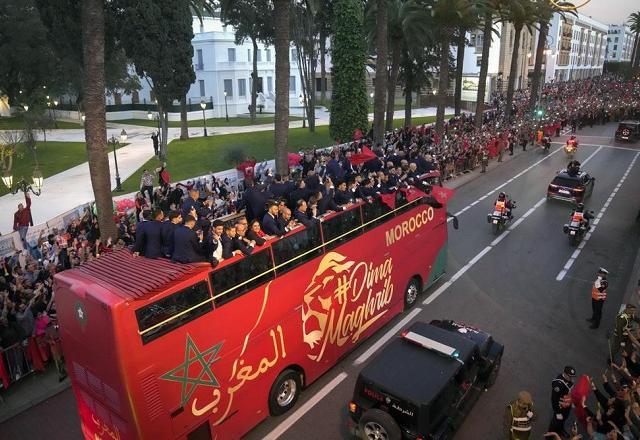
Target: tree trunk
(281, 8)
(382, 52)
(393, 81)
(164, 128)
(513, 70)
(95, 125)
(443, 80)
(323, 68)
(537, 80)
(484, 68)
(459, 65)
(184, 124)
(311, 94)
(254, 81)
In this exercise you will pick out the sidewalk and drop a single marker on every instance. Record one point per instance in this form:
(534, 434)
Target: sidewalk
(71, 188)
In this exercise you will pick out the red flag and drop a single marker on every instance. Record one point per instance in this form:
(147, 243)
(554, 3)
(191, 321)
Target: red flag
(442, 194)
(166, 178)
(579, 393)
(412, 193)
(389, 200)
(4, 375)
(294, 159)
(363, 157)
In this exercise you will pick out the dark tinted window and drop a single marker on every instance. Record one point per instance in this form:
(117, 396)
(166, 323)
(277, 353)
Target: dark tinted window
(172, 305)
(371, 213)
(340, 225)
(296, 249)
(240, 277)
(566, 182)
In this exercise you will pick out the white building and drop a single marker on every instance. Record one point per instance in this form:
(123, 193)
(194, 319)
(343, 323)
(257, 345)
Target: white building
(220, 66)
(619, 43)
(575, 48)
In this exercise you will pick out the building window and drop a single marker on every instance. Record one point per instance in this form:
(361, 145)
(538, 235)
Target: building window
(615, 47)
(202, 90)
(231, 54)
(199, 62)
(614, 55)
(135, 98)
(479, 61)
(292, 84)
(249, 55)
(294, 55)
(242, 87)
(268, 51)
(228, 87)
(259, 55)
(616, 40)
(269, 84)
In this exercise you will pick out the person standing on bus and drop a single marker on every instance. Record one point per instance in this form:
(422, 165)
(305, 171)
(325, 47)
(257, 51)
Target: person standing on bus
(214, 242)
(187, 245)
(167, 232)
(228, 240)
(303, 216)
(270, 220)
(191, 204)
(149, 236)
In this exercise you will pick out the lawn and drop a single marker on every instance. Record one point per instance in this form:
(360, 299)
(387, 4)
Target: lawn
(16, 123)
(213, 122)
(53, 157)
(198, 156)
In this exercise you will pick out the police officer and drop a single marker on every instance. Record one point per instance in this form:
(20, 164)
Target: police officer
(561, 400)
(622, 327)
(518, 417)
(484, 160)
(598, 297)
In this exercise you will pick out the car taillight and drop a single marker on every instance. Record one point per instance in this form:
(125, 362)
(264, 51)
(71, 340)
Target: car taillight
(578, 189)
(353, 407)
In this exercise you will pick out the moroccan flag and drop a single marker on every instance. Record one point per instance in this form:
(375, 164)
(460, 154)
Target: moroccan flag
(4, 375)
(166, 178)
(363, 157)
(389, 200)
(442, 194)
(293, 159)
(579, 393)
(412, 193)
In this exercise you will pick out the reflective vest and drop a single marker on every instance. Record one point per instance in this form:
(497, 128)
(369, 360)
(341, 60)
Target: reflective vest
(565, 401)
(596, 294)
(500, 205)
(577, 217)
(520, 424)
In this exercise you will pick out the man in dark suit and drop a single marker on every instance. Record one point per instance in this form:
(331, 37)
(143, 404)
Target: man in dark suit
(149, 237)
(343, 195)
(187, 245)
(229, 243)
(167, 231)
(191, 204)
(270, 224)
(300, 192)
(302, 215)
(254, 199)
(279, 187)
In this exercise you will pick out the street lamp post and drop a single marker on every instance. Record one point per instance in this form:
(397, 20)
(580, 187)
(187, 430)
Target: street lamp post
(301, 100)
(114, 143)
(55, 107)
(35, 187)
(226, 110)
(203, 105)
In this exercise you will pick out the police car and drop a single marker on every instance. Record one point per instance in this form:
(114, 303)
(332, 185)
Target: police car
(424, 382)
(628, 131)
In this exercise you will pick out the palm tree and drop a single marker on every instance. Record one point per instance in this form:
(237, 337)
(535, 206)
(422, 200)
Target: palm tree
(634, 23)
(491, 9)
(468, 21)
(95, 126)
(382, 59)
(521, 14)
(281, 40)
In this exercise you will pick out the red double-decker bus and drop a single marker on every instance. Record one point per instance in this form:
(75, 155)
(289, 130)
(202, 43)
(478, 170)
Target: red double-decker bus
(157, 349)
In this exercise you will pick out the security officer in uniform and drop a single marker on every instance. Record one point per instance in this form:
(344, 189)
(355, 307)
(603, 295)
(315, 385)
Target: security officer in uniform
(484, 160)
(561, 400)
(622, 327)
(518, 417)
(598, 297)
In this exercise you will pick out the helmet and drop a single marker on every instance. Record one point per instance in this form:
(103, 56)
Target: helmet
(502, 196)
(580, 207)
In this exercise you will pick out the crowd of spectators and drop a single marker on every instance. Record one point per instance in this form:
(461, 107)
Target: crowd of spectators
(182, 221)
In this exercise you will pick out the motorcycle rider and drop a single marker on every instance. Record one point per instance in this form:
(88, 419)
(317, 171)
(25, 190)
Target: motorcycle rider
(581, 216)
(503, 204)
(573, 168)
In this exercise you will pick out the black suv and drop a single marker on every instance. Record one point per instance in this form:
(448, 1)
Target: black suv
(424, 382)
(628, 131)
(573, 187)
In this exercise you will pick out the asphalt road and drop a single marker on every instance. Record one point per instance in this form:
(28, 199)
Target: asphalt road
(511, 286)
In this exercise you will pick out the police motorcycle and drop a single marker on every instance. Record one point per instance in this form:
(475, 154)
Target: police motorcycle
(578, 226)
(571, 147)
(500, 215)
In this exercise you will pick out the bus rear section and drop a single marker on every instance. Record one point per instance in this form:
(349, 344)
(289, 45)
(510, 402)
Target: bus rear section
(87, 331)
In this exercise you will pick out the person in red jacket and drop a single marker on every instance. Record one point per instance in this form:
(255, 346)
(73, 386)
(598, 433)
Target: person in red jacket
(22, 220)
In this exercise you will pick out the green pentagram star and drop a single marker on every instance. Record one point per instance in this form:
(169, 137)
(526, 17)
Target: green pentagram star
(190, 384)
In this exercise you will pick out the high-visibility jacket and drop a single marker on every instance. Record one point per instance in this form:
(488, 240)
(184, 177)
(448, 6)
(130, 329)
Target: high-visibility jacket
(577, 217)
(501, 206)
(599, 289)
(520, 422)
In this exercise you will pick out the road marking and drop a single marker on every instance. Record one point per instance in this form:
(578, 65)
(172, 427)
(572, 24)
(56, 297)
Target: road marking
(497, 188)
(615, 147)
(388, 335)
(300, 412)
(600, 215)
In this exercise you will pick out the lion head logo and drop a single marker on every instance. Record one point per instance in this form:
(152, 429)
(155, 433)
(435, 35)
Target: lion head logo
(332, 272)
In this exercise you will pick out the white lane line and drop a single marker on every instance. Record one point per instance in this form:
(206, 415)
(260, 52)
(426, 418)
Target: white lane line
(499, 187)
(603, 146)
(293, 418)
(576, 254)
(500, 238)
(383, 340)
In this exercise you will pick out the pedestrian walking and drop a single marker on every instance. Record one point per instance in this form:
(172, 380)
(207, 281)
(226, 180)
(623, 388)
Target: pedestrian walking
(511, 145)
(561, 400)
(518, 417)
(500, 151)
(154, 139)
(485, 160)
(598, 297)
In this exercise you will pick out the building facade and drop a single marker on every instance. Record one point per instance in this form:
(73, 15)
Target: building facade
(619, 43)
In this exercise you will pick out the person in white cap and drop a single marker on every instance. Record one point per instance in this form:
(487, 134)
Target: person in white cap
(598, 297)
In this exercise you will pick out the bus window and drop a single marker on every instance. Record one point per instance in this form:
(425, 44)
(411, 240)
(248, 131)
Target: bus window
(339, 226)
(371, 213)
(159, 311)
(240, 277)
(296, 249)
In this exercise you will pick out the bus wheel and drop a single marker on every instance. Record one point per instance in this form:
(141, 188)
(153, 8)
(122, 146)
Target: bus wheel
(284, 392)
(411, 293)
